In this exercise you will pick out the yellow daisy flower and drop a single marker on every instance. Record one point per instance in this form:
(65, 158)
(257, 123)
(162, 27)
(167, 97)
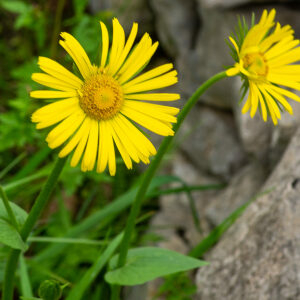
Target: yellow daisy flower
(98, 110)
(266, 57)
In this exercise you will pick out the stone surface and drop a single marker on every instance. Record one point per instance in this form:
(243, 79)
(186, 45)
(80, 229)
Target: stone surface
(244, 185)
(210, 139)
(259, 257)
(176, 22)
(254, 133)
(233, 3)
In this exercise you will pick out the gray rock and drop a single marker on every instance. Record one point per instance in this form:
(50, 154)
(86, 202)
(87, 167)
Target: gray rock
(176, 22)
(241, 188)
(127, 13)
(211, 142)
(259, 257)
(254, 133)
(233, 3)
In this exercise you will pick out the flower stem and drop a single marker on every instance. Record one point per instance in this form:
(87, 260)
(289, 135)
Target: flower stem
(149, 174)
(32, 218)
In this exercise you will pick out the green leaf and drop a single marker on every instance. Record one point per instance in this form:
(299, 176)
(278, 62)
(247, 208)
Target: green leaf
(18, 7)
(10, 236)
(8, 233)
(147, 263)
(20, 213)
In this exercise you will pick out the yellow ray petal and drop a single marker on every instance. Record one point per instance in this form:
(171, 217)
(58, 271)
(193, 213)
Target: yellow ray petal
(279, 98)
(52, 94)
(90, 153)
(69, 131)
(286, 93)
(248, 102)
(55, 107)
(286, 80)
(285, 59)
(80, 147)
(272, 105)
(52, 82)
(123, 151)
(262, 103)
(58, 71)
(127, 47)
(76, 138)
(147, 122)
(164, 113)
(139, 50)
(155, 83)
(282, 47)
(137, 135)
(64, 125)
(153, 97)
(72, 46)
(103, 149)
(254, 100)
(126, 140)
(51, 119)
(149, 75)
(105, 44)
(139, 63)
(117, 46)
(109, 144)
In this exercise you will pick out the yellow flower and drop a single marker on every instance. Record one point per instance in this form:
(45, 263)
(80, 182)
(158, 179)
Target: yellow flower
(266, 58)
(98, 110)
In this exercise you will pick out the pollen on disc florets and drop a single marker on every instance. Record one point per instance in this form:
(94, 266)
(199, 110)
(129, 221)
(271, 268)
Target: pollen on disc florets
(101, 97)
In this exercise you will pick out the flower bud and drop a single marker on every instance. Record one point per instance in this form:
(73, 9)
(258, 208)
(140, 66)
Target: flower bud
(50, 290)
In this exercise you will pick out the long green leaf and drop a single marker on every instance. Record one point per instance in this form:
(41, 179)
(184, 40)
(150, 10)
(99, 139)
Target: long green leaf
(108, 213)
(90, 275)
(214, 236)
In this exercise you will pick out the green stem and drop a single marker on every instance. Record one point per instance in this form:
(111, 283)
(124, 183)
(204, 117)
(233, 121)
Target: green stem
(57, 26)
(135, 208)
(9, 210)
(32, 218)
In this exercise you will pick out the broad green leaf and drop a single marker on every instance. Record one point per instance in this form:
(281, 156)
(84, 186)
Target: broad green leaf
(147, 263)
(10, 236)
(8, 233)
(19, 213)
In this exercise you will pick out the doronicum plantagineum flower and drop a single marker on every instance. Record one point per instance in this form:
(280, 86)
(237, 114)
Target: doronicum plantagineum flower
(98, 110)
(265, 58)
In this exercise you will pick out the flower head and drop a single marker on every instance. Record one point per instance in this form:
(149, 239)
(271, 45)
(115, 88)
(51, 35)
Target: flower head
(99, 109)
(265, 58)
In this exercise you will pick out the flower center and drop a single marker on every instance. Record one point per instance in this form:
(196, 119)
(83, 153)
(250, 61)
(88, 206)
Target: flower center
(101, 97)
(256, 64)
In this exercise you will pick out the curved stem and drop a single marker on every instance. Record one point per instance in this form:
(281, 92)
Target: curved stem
(135, 209)
(32, 218)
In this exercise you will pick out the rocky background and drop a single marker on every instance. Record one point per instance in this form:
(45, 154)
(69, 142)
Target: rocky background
(259, 257)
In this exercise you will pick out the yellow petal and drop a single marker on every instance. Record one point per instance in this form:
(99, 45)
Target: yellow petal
(76, 138)
(123, 151)
(58, 71)
(153, 97)
(117, 46)
(52, 82)
(72, 46)
(149, 75)
(90, 153)
(147, 122)
(155, 83)
(139, 63)
(127, 47)
(53, 94)
(105, 44)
